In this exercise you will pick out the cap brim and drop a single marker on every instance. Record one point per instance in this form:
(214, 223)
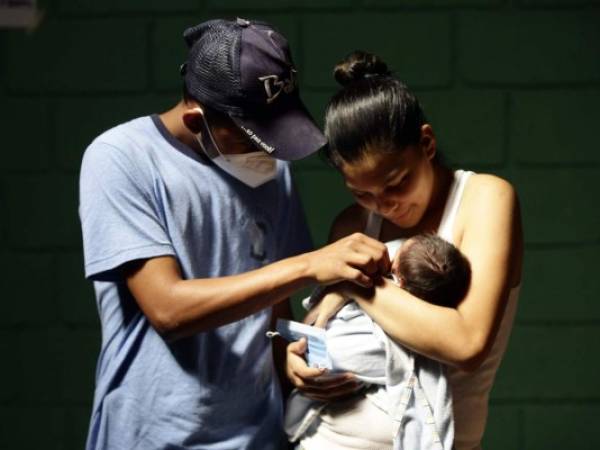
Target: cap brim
(287, 133)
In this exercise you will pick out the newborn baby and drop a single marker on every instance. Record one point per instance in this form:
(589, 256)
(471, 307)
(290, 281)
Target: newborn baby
(432, 269)
(425, 265)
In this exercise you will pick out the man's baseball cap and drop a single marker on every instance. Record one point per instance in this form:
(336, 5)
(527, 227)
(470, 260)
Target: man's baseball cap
(244, 69)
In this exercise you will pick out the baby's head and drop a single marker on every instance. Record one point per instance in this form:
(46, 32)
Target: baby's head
(433, 270)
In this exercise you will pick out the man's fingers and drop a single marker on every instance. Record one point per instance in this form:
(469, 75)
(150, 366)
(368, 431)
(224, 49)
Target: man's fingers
(298, 366)
(332, 393)
(297, 347)
(333, 381)
(379, 256)
(370, 255)
(358, 277)
(366, 262)
(384, 263)
(304, 377)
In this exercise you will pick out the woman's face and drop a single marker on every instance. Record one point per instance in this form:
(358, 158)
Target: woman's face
(396, 185)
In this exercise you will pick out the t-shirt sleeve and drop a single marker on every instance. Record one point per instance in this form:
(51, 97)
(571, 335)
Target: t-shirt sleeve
(295, 238)
(119, 215)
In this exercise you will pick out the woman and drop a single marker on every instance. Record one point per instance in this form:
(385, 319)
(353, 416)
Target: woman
(386, 152)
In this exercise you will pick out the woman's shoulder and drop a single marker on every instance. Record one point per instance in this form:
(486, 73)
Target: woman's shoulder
(489, 180)
(490, 212)
(490, 199)
(483, 188)
(485, 196)
(350, 220)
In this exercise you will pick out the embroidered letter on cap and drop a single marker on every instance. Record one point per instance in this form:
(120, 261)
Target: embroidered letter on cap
(274, 86)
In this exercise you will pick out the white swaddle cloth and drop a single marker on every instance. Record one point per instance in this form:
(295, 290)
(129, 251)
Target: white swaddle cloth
(413, 390)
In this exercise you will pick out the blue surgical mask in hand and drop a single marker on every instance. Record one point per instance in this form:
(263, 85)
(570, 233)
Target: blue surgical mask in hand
(316, 353)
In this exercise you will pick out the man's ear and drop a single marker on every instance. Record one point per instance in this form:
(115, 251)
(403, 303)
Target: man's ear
(192, 119)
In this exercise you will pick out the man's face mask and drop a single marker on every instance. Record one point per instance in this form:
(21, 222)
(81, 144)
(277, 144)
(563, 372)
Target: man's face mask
(252, 169)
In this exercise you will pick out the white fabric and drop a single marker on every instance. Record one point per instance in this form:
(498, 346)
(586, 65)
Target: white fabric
(355, 423)
(414, 394)
(457, 189)
(413, 403)
(470, 390)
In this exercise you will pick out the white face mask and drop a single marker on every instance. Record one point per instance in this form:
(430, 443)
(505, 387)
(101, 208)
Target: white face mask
(252, 169)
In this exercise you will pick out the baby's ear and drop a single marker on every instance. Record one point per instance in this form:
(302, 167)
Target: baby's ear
(400, 281)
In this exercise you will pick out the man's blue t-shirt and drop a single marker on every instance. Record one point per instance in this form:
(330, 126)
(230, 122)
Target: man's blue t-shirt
(144, 194)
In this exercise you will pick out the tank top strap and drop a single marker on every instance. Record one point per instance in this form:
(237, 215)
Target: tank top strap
(374, 221)
(373, 227)
(452, 204)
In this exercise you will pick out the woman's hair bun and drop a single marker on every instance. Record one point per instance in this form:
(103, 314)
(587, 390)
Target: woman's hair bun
(357, 66)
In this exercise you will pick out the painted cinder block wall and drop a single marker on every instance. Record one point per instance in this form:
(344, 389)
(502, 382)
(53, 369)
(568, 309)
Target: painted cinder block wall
(511, 87)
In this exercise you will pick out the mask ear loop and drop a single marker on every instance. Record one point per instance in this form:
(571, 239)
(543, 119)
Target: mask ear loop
(207, 138)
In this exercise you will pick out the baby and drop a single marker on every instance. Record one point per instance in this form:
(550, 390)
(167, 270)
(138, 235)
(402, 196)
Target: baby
(433, 270)
(429, 268)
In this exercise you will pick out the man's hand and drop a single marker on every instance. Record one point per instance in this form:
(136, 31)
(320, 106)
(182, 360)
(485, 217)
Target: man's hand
(317, 383)
(327, 307)
(357, 258)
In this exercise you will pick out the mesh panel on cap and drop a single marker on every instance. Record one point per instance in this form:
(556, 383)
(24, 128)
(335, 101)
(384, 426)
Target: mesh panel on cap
(211, 76)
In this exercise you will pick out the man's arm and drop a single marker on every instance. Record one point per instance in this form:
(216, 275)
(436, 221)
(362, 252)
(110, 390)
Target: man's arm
(179, 308)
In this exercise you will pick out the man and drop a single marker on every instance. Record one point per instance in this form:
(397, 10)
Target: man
(192, 230)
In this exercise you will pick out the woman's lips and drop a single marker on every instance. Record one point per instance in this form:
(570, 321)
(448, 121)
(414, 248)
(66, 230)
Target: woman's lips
(403, 214)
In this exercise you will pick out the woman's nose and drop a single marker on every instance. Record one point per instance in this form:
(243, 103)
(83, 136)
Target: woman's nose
(385, 206)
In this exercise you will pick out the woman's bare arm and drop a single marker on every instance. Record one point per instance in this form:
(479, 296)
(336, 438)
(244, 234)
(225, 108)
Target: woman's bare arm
(463, 336)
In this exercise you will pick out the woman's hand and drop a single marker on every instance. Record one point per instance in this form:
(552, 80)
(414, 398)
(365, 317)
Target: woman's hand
(327, 307)
(357, 258)
(317, 384)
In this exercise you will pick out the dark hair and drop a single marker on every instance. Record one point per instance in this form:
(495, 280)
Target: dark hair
(186, 95)
(372, 109)
(435, 270)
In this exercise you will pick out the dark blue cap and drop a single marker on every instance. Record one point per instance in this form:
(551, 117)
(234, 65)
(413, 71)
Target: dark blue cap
(245, 69)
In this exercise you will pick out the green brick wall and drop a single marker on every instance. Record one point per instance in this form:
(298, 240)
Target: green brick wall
(511, 87)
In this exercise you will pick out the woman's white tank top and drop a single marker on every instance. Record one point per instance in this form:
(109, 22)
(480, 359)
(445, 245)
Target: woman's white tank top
(470, 391)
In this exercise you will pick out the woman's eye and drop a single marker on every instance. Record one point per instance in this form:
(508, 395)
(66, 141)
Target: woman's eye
(399, 185)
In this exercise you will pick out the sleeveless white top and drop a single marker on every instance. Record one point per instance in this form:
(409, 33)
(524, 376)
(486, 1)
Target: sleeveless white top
(470, 391)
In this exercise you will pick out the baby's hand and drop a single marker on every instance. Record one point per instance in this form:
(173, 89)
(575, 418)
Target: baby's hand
(329, 305)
